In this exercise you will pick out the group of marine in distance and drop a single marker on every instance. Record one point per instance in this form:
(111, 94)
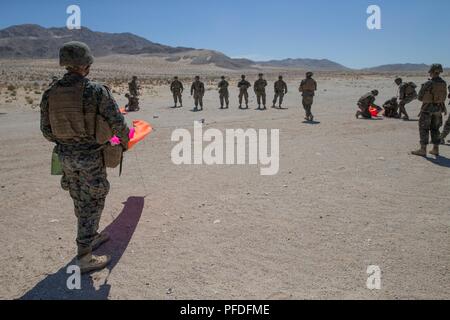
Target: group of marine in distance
(308, 87)
(432, 94)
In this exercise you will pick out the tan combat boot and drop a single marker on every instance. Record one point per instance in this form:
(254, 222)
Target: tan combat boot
(435, 150)
(89, 263)
(422, 152)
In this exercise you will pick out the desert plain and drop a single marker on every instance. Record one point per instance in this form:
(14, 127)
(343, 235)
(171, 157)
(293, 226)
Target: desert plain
(348, 195)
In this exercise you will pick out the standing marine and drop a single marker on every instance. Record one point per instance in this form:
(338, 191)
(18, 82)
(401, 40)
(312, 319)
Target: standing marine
(224, 94)
(134, 87)
(364, 104)
(260, 91)
(308, 87)
(406, 94)
(432, 95)
(70, 112)
(280, 90)
(198, 91)
(176, 87)
(243, 86)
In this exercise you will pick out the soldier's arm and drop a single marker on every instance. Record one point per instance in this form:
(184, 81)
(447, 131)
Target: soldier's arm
(285, 87)
(192, 89)
(315, 85)
(300, 88)
(109, 110)
(45, 119)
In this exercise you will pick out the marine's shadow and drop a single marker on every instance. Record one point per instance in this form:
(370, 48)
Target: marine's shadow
(311, 122)
(54, 287)
(440, 161)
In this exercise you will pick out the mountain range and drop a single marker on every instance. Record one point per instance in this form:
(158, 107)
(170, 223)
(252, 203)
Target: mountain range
(37, 42)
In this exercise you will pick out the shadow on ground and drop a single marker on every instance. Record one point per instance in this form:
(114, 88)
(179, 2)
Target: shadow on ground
(121, 230)
(440, 161)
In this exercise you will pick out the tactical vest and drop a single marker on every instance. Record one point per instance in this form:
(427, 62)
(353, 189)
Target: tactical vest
(309, 85)
(436, 93)
(71, 122)
(68, 118)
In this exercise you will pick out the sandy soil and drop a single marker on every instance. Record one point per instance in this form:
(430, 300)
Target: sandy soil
(348, 195)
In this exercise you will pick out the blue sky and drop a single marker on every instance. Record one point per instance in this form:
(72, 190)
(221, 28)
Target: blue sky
(415, 31)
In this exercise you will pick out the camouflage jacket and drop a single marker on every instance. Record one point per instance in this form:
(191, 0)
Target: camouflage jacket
(198, 88)
(223, 86)
(244, 85)
(281, 86)
(133, 88)
(176, 86)
(367, 100)
(95, 96)
(260, 85)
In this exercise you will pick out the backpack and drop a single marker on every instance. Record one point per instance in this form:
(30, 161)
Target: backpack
(410, 89)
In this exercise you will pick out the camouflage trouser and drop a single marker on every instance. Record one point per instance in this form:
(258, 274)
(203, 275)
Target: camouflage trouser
(243, 94)
(198, 100)
(307, 104)
(86, 177)
(261, 97)
(446, 130)
(224, 98)
(430, 123)
(278, 95)
(402, 104)
(177, 97)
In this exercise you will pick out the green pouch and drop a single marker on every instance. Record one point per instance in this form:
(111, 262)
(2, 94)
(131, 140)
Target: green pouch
(56, 164)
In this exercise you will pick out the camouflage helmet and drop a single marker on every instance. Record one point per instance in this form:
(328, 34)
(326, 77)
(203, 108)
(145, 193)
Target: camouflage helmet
(280, 77)
(243, 76)
(394, 99)
(197, 77)
(222, 77)
(76, 54)
(375, 92)
(134, 78)
(309, 74)
(176, 78)
(398, 80)
(260, 75)
(437, 67)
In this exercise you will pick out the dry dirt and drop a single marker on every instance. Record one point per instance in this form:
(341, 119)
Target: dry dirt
(348, 195)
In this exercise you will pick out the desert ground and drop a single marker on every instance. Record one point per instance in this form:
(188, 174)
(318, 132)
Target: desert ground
(348, 195)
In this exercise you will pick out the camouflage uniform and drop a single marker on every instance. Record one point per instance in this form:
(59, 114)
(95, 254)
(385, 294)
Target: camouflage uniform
(177, 89)
(82, 159)
(280, 90)
(243, 86)
(308, 87)
(260, 91)
(198, 91)
(404, 99)
(133, 103)
(224, 94)
(364, 103)
(430, 120)
(133, 87)
(391, 108)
